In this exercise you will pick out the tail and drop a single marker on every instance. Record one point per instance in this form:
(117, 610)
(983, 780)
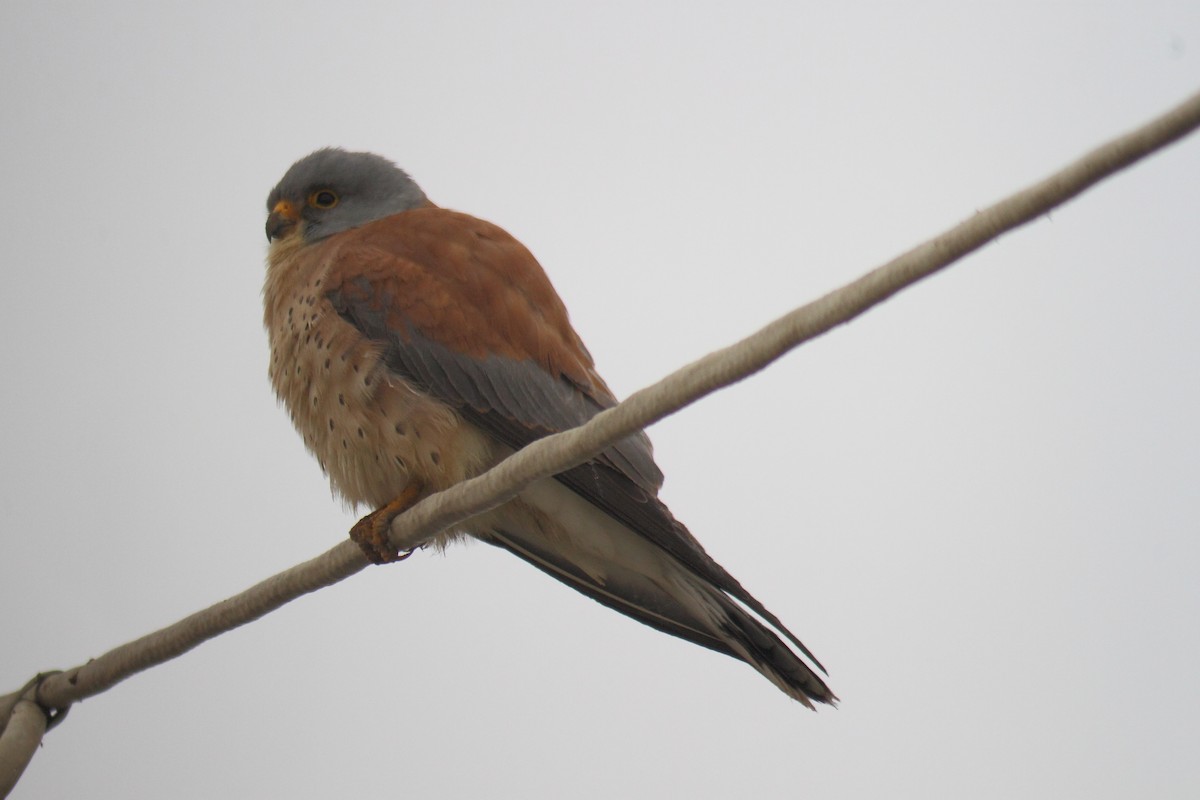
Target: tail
(750, 640)
(573, 541)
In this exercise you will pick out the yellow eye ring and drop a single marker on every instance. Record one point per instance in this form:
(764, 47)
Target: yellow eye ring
(323, 198)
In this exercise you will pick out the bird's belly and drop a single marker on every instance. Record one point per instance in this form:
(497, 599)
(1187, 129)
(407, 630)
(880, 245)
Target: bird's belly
(371, 431)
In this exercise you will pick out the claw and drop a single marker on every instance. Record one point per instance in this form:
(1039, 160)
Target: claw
(371, 532)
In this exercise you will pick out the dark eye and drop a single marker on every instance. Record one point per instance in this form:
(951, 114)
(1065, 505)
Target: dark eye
(323, 198)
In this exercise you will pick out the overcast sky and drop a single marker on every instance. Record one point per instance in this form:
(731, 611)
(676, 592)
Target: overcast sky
(977, 504)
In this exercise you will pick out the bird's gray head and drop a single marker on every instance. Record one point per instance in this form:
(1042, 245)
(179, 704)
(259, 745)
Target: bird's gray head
(333, 190)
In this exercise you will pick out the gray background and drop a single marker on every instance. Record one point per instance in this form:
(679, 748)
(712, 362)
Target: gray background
(977, 504)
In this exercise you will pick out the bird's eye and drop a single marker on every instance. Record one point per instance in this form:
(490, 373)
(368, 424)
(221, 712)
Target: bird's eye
(323, 198)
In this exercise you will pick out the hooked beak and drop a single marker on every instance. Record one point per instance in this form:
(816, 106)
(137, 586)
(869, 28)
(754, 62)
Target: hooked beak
(281, 220)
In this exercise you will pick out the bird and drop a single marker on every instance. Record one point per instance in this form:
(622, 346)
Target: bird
(415, 347)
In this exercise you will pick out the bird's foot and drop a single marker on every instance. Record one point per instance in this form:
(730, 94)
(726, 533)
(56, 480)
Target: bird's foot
(371, 532)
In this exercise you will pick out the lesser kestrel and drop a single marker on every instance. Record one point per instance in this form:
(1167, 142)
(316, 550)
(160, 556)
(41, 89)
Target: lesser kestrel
(416, 346)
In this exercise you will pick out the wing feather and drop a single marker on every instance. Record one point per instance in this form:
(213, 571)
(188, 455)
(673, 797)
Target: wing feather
(464, 312)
